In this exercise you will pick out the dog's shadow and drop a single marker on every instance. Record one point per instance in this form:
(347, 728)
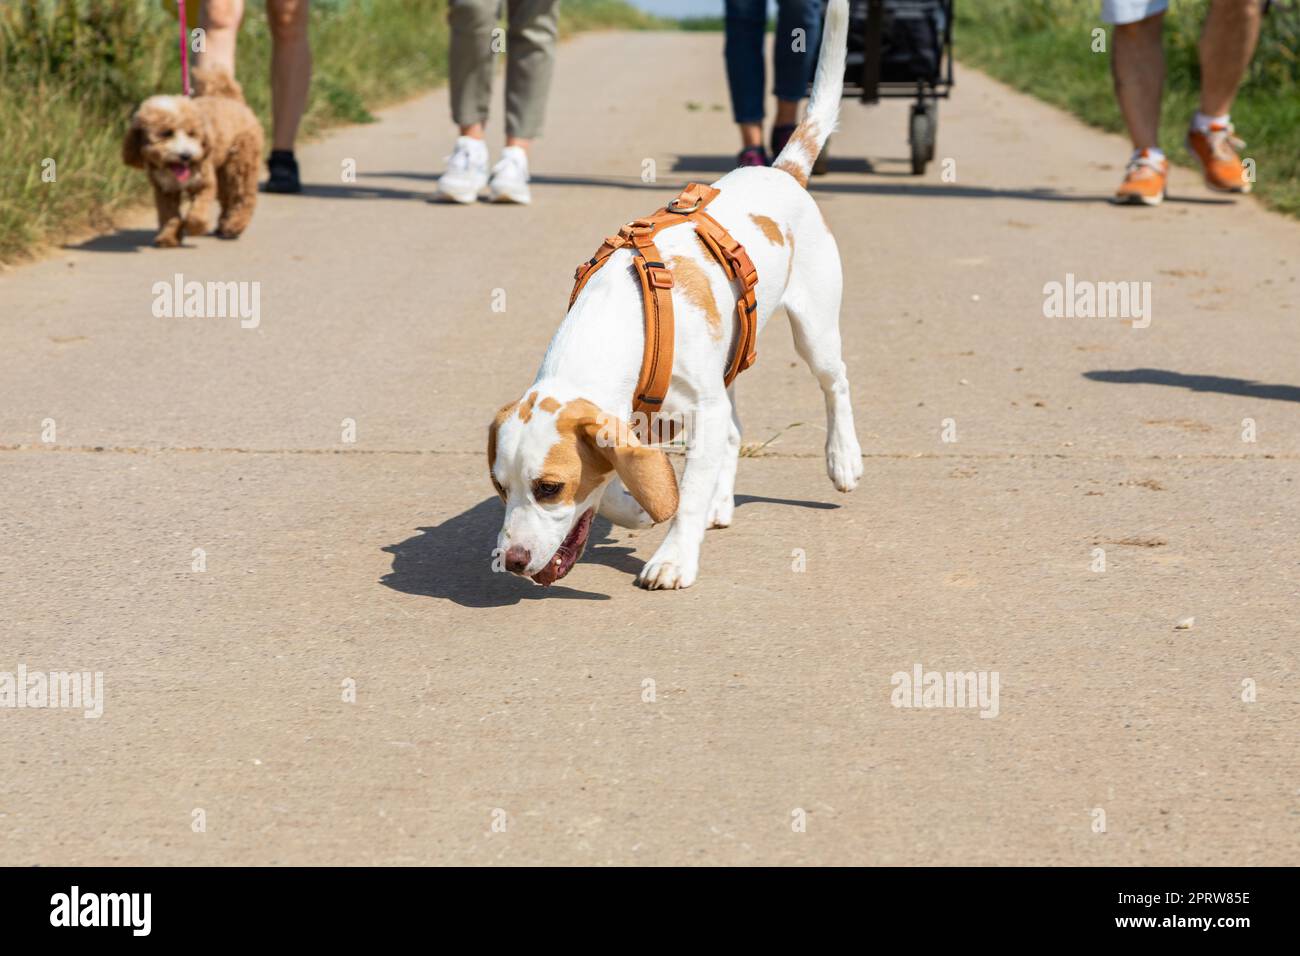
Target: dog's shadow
(121, 240)
(453, 561)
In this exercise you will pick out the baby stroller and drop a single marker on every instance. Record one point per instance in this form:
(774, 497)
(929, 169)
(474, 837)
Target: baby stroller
(900, 49)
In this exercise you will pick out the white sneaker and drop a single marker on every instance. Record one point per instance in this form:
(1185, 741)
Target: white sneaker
(510, 177)
(466, 173)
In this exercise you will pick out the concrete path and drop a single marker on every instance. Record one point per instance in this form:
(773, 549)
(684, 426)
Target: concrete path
(480, 698)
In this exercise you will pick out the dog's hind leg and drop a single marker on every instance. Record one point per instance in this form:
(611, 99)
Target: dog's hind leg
(237, 186)
(724, 493)
(812, 300)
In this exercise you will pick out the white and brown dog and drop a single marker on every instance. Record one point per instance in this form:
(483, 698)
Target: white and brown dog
(560, 453)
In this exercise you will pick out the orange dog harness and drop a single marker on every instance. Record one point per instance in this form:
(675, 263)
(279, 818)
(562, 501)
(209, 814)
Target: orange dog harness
(657, 283)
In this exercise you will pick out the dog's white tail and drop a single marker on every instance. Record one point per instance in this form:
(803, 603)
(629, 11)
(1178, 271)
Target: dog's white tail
(824, 108)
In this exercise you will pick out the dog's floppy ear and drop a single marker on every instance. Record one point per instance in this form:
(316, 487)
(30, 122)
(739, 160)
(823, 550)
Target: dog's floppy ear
(504, 413)
(646, 472)
(132, 145)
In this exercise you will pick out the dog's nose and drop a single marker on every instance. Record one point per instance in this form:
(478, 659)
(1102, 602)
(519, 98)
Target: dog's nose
(185, 156)
(517, 558)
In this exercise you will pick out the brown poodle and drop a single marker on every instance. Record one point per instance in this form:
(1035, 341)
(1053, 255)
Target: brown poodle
(196, 150)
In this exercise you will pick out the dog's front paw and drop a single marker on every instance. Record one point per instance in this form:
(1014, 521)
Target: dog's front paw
(844, 463)
(168, 239)
(667, 573)
(196, 227)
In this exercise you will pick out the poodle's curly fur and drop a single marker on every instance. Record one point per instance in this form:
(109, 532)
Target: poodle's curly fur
(198, 149)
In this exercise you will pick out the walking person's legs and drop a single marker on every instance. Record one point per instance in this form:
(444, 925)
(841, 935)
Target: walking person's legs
(798, 35)
(220, 21)
(1137, 64)
(290, 72)
(1227, 44)
(471, 61)
(530, 64)
(290, 83)
(745, 22)
(1226, 47)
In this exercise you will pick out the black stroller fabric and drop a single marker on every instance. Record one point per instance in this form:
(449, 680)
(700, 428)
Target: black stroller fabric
(911, 40)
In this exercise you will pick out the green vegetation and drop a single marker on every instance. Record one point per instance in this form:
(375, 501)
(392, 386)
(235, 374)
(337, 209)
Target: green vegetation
(1044, 47)
(705, 24)
(72, 71)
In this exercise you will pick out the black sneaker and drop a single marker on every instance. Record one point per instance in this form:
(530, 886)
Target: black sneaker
(284, 173)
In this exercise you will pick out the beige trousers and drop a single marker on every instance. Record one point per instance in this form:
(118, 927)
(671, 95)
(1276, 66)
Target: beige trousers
(529, 46)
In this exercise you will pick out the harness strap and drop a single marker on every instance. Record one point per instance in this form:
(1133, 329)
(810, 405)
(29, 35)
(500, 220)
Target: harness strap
(739, 267)
(657, 283)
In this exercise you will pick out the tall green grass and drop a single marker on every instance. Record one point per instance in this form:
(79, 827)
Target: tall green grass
(1044, 47)
(72, 71)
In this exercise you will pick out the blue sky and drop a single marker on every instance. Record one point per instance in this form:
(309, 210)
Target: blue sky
(680, 8)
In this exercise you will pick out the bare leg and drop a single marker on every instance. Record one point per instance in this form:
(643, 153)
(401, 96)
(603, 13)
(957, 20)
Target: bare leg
(1138, 66)
(787, 112)
(1227, 44)
(290, 68)
(751, 134)
(220, 22)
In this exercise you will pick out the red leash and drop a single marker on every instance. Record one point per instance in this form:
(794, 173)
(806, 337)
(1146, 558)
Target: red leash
(185, 49)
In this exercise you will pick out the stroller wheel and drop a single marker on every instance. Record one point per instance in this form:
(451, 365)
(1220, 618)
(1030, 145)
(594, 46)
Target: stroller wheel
(921, 138)
(823, 160)
(932, 110)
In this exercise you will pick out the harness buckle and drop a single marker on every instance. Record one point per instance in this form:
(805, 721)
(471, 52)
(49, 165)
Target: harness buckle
(744, 267)
(688, 200)
(635, 228)
(659, 275)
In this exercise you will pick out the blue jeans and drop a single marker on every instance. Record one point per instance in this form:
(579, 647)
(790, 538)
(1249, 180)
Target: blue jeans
(745, 22)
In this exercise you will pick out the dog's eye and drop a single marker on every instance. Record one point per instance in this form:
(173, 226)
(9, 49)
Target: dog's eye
(165, 134)
(546, 490)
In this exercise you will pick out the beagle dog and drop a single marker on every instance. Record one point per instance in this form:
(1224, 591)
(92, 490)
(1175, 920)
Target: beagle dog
(564, 450)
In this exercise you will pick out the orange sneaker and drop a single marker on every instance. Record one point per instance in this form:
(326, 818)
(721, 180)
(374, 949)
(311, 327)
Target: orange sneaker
(1217, 148)
(1144, 180)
